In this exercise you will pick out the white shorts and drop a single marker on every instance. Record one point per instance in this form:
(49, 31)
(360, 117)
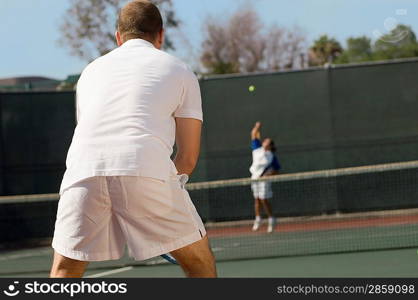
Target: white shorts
(262, 190)
(99, 216)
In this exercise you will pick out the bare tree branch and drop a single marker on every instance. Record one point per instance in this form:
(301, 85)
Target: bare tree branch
(241, 45)
(237, 46)
(216, 54)
(88, 26)
(275, 54)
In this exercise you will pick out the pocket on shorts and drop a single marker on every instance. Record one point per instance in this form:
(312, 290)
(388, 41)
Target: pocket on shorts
(147, 197)
(156, 180)
(86, 199)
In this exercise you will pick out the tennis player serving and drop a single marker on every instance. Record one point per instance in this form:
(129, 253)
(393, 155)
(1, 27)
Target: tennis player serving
(265, 163)
(121, 187)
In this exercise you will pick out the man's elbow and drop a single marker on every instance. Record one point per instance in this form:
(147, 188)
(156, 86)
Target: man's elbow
(190, 163)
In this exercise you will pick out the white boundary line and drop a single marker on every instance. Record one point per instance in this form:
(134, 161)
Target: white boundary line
(110, 272)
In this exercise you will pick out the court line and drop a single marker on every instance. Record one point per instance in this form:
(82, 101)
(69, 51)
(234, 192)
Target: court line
(110, 272)
(34, 253)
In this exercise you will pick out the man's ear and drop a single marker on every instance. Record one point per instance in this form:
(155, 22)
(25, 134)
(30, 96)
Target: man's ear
(118, 39)
(160, 39)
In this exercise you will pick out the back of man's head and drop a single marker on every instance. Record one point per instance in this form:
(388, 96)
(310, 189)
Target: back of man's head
(139, 19)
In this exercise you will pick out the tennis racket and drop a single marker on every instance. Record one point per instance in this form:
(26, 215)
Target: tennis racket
(170, 259)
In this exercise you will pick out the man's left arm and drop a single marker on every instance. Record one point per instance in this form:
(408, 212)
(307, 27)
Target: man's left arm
(274, 168)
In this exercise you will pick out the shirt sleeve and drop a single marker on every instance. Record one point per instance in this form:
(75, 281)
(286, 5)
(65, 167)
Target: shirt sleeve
(255, 144)
(191, 100)
(276, 164)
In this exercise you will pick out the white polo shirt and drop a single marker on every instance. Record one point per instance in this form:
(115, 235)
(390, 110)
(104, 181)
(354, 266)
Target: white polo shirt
(127, 102)
(261, 160)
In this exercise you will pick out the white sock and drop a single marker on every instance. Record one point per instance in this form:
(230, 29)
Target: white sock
(271, 220)
(257, 218)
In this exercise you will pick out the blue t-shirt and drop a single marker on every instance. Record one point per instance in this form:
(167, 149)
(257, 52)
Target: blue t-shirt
(275, 164)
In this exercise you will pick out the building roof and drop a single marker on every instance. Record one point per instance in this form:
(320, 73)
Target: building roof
(28, 83)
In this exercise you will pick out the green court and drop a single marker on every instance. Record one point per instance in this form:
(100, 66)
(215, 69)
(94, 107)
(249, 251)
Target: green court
(372, 264)
(362, 245)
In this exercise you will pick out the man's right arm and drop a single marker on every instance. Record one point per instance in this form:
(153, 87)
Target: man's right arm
(188, 118)
(255, 132)
(256, 136)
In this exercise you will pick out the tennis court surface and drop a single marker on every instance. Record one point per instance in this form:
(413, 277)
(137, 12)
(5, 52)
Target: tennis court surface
(356, 222)
(373, 264)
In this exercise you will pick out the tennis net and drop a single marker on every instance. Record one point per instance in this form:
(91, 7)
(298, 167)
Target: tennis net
(333, 211)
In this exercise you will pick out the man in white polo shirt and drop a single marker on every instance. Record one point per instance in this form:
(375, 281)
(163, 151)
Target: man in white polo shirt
(121, 187)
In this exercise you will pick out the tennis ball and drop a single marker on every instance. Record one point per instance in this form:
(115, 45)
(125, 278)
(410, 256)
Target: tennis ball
(251, 88)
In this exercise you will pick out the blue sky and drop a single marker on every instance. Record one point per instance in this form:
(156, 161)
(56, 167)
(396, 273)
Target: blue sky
(29, 28)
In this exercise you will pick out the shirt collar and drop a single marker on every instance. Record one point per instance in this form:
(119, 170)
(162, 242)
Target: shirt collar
(138, 43)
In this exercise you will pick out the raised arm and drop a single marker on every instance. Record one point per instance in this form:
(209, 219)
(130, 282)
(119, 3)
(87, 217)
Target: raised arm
(188, 133)
(256, 131)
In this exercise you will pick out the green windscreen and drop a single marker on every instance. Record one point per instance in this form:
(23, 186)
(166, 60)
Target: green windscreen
(35, 133)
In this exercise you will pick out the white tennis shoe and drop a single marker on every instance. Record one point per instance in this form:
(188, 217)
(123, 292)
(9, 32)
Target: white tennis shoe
(271, 225)
(257, 224)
